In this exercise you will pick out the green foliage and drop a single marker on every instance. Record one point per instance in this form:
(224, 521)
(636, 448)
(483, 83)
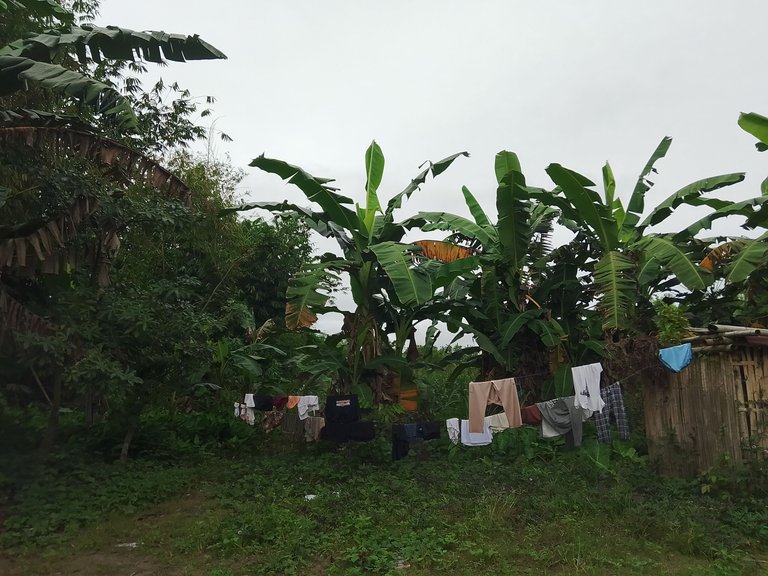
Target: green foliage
(671, 322)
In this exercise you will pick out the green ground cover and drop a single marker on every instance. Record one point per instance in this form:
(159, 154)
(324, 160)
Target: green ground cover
(520, 506)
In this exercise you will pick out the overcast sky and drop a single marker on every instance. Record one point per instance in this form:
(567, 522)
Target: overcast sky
(574, 82)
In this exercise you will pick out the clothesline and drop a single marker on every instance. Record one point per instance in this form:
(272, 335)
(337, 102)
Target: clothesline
(525, 377)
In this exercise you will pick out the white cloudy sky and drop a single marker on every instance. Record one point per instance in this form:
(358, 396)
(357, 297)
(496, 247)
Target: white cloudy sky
(574, 82)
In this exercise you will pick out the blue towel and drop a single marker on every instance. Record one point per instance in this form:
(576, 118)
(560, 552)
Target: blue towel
(677, 357)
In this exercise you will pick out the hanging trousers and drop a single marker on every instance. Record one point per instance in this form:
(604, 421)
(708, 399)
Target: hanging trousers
(501, 392)
(614, 403)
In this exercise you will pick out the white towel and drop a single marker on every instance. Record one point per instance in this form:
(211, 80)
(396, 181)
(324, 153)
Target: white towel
(586, 387)
(476, 438)
(249, 401)
(307, 403)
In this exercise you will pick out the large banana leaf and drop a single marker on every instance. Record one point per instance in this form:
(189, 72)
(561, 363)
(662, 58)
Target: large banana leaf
(616, 287)
(112, 43)
(450, 271)
(40, 8)
(743, 208)
(512, 326)
(374, 172)
(757, 125)
(504, 163)
(549, 331)
(412, 285)
(307, 293)
(16, 317)
(436, 169)
(28, 117)
(443, 251)
(315, 189)
(685, 194)
(748, 259)
(512, 225)
(481, 219)
(636, 203)
(672, 257)
(588, 205)
(609, 185)
(483, 341)
(16, 72)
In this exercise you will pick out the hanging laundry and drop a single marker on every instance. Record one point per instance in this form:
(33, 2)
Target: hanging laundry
(259, 402)
(614, 404)
(342, 409)
(502, 392)
(292, 424)
(403, 435)
(498, 422)
(482, 438)
(313, 425)
(279, 402)
(293, 401)
(531, 415)
(272, 419)
(586, 385)
(345, 432)
(677, 357)
(561, 416)
(342, 415)
(307, 403)
(454, 430)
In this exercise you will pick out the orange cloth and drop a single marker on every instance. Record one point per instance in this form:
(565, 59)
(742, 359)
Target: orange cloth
(502, 392)
(293, 401)
(409, 400)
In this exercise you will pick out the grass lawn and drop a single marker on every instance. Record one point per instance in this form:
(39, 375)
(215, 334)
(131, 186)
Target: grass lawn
(442, 509)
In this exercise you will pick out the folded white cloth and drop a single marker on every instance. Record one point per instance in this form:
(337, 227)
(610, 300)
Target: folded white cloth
(307, 403)
(498, 422)
(454, 431)
(249, 401)
(476, 438)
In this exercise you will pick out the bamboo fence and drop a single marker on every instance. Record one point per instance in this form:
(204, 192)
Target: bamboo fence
(716, 409)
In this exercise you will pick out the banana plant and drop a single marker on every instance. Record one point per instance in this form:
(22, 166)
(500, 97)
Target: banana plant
(628, 263)
(498, 305)
(380, 267)
(35, 59)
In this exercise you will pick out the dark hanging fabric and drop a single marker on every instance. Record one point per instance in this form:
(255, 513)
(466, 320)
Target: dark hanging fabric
(348, 432)
(263, 403)
(280, 402)
(403, 435)
(342, 409)
(531, 415)
(614, 404)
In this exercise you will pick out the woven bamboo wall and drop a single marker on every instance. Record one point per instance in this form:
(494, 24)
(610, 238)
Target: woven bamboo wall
(751, 365)
(697, 418)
